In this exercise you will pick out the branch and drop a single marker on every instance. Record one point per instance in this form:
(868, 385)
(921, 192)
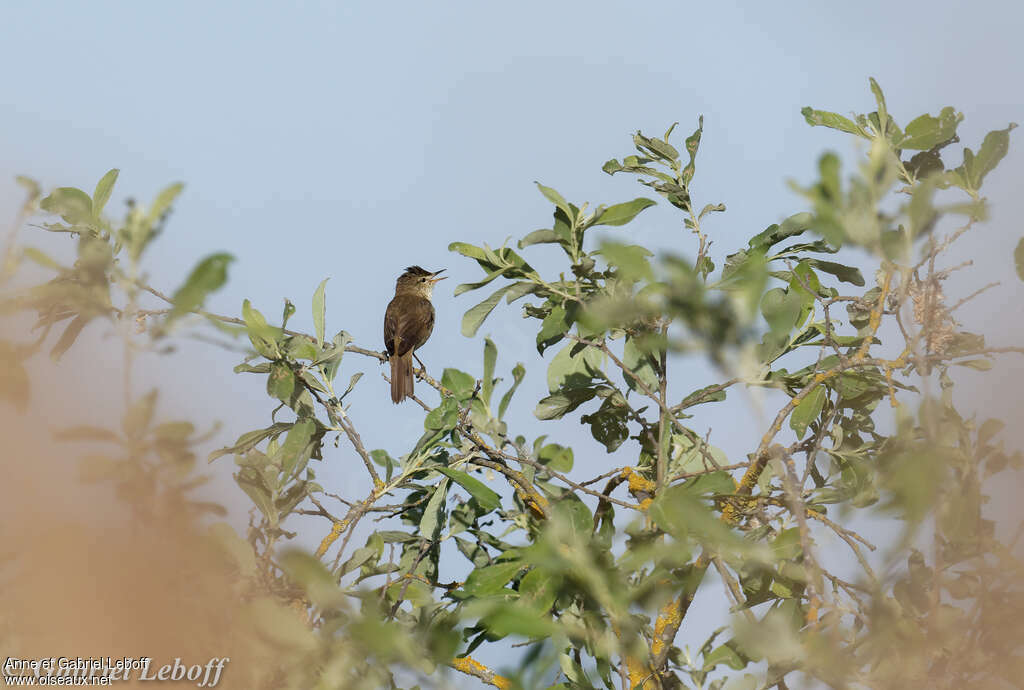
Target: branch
(472, 667)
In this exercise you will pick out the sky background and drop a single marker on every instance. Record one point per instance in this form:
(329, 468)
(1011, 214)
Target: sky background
(351, 140)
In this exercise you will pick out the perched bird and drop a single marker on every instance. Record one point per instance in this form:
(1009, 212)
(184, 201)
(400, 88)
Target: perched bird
(408, 321)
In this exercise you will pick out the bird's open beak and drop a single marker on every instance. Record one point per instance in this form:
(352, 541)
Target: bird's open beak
(437, 277)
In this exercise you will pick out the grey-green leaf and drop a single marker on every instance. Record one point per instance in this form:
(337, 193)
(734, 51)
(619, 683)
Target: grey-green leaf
(163, 201)
(208, 275)
(518, 372)
(101, 195)
(821, 118)
(320, 311)
(992, 150)
(490, 359)
(927, 131)
(559, 404)
(543, 236)
(555, 198)
(620, 214)
(487, 498)
(71, 204)
(433, 514)
(847, 274)
(807, 410)
(473, 318)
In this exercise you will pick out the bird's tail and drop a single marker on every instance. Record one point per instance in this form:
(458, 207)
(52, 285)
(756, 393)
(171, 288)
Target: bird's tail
(401, 377)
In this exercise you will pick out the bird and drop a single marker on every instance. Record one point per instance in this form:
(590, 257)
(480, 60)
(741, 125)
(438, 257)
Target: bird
(408, 322)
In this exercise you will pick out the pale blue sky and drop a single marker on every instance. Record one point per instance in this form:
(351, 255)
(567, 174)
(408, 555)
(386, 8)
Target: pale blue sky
(351, 140)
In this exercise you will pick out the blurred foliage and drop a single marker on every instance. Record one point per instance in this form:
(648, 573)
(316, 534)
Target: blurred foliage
(595, 575)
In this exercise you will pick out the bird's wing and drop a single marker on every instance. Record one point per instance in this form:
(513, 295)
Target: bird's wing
(408, 321)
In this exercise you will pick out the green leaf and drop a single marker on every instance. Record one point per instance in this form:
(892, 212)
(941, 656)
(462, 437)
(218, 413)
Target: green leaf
(629, 259)
(638, 360)
(467, 287)
(608, 424)
(1018, 258)
(883, 111)
(313, 576)
(728, 654)
(286, 313)
(444, 417)
(491, 579)
(847, 274)
(620, 214)
(692, 144)
(701, 396)
(281, 382)
(927, 131)
(612, 166)
(656, 147)
(320, 311)
(557, 457)
(575, 366)
(208, 275)
(358, 558)
(682, 513)
(469, 250)
(518, 372)
(71, 204)
(781, 309)
(331, 359)
(993, 148)
(101, 195)
(458, 382)
(490, 359)
(249, 439)
(382, 458)
(512, 619)
(542, 236)
(538, 590)
(520, 289)
(473, 318)
(688, 456)
(262, 335)
(163, 201)
(487, 498)
(559, 404)
(807, 410)
(554, 327)
(433, 514)
(352, 381)
(796, 224)
(555, 198)
(822, 118)
(301, 443)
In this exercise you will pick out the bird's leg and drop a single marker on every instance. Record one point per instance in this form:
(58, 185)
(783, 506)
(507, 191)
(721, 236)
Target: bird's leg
(423, 368)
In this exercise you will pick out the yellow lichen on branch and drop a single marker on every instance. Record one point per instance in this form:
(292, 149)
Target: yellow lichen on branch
(336, 529)
(637, 483)
(472, 667)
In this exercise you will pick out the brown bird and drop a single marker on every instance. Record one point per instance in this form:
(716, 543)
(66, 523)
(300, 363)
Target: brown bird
(408, 322)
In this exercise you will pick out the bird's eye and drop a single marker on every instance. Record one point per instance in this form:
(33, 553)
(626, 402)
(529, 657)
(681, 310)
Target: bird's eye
(423, 280)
